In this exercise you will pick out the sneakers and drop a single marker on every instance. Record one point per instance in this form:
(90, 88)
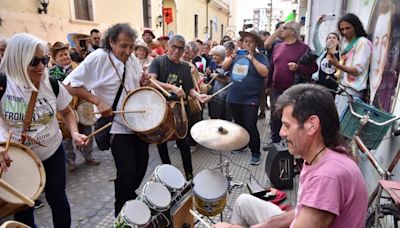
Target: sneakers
(239, 151)
(255, 160)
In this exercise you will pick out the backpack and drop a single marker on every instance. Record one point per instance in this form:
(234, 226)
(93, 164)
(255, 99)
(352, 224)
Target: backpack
(3, 85)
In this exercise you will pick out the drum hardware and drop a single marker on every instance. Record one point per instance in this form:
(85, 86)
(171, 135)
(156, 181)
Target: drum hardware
(98, 130)
(222, 89)
(124, 111)
(199, 218)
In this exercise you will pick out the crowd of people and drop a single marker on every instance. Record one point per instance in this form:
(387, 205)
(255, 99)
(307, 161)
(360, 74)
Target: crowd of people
(103, 70)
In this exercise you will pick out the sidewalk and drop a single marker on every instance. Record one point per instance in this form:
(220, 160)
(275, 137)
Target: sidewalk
(90, 189)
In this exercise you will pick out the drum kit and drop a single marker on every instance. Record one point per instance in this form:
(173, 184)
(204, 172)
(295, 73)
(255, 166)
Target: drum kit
(167, 199)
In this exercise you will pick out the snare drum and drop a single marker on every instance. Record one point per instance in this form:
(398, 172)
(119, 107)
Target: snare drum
(156, 196)
(85, 112)
(25, 174)
(210, 188)
(156, 124)
(170, 177)
(134, 213)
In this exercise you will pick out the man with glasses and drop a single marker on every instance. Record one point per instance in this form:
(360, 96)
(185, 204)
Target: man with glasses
(285, 56)
(174, 76)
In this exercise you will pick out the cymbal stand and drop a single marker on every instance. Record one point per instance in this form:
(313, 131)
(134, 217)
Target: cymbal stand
(225, 171)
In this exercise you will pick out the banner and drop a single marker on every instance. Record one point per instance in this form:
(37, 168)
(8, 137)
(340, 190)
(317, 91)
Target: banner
(167, 13)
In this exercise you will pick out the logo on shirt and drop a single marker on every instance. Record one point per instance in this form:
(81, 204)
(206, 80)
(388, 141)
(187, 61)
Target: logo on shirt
(240, 69)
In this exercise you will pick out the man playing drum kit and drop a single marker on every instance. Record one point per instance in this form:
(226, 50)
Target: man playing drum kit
(103, 72)
(175, 76)
(325, 197)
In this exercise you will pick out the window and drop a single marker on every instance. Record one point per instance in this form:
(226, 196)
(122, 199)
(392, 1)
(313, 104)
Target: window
(83, 10)
(222, 31)
(211, 30)
(146, 13)
(196, 25)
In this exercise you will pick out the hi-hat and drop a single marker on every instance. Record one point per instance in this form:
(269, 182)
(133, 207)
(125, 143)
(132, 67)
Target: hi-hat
(220, 135)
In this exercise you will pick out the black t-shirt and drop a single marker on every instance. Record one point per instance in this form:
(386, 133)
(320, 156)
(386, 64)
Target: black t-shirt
(327, 69)
(172, 73)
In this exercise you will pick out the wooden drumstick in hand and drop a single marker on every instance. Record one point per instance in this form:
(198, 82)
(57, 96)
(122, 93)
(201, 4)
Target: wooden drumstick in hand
(199, 218)
(183, 110)
(16, 193)
(98, 130)
(165, 92)
(221, 90)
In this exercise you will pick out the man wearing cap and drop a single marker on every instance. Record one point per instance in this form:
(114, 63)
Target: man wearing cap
(285, 56)
(248, 69)
(163, 41)
(148, 37)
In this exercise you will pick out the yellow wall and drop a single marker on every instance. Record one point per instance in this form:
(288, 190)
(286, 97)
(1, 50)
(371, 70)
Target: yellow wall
(22, 16)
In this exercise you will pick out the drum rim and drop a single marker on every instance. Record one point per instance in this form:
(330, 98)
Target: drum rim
(126, 219)
(156, 207)
(80, 119)
(217, 197)
(39, 165)
(124, 103)
(166, 185)
(186, 125)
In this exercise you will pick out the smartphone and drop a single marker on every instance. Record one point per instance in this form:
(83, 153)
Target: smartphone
(242, 52)
(330, 17)
(82, 44)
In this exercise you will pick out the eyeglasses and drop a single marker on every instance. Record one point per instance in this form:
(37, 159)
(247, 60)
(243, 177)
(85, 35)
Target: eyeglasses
(174, 47)
(284, 28)
(35, 61)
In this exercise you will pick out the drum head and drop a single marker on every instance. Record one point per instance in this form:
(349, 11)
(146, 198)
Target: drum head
(85, 112)
(210, 185)
(170, 176)
(25, 174)
(157, 195)
(136, 212)
(149, 100)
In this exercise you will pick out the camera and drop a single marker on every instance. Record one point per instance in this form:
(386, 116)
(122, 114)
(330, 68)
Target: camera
(82, 44)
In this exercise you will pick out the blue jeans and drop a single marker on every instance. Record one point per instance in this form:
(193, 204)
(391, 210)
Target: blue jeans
(54, 191)
(246, 116)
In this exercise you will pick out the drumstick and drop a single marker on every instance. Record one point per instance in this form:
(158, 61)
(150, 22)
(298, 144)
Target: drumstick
(214, 76)
(221, 90)
(16, 193)
(199, 218)
(160, 88)
(98, 130)
(184, 115)
(124, 111)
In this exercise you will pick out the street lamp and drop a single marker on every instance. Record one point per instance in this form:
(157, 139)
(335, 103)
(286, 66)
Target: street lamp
(44, 4)
(160, 21)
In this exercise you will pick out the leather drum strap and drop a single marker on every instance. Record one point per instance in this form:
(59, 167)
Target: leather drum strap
(29, 115)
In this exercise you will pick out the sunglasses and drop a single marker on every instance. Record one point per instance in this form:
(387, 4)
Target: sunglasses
(35, 61)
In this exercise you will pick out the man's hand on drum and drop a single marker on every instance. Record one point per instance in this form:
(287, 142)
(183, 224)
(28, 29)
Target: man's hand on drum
(203, 98)
(104, 109)
(178, 91)
(79, 139)
(5, 159)
(144, 80)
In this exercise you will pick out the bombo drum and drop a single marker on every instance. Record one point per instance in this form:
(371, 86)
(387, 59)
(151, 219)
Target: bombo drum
(156, 196)
(156, 124)
(170, 177)
(134, 213)
(210, 189)
(26, 174)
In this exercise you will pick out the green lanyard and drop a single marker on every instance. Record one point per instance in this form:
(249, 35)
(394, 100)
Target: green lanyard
(349, 46)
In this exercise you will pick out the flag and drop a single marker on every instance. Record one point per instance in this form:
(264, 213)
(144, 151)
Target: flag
(167, 13)
(290, 17)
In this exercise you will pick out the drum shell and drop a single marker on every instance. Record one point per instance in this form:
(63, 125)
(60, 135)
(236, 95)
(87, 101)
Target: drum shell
(161, 131)
(180, 127)
(210, 205)
(85, 112)
(26, 174)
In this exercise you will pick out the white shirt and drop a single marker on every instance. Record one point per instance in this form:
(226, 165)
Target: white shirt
(44, 126)
(97, 74)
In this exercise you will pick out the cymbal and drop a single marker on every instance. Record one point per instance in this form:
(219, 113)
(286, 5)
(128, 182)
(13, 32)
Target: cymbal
(220, 135)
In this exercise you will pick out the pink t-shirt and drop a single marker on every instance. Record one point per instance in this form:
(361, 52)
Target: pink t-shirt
(334, 184)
